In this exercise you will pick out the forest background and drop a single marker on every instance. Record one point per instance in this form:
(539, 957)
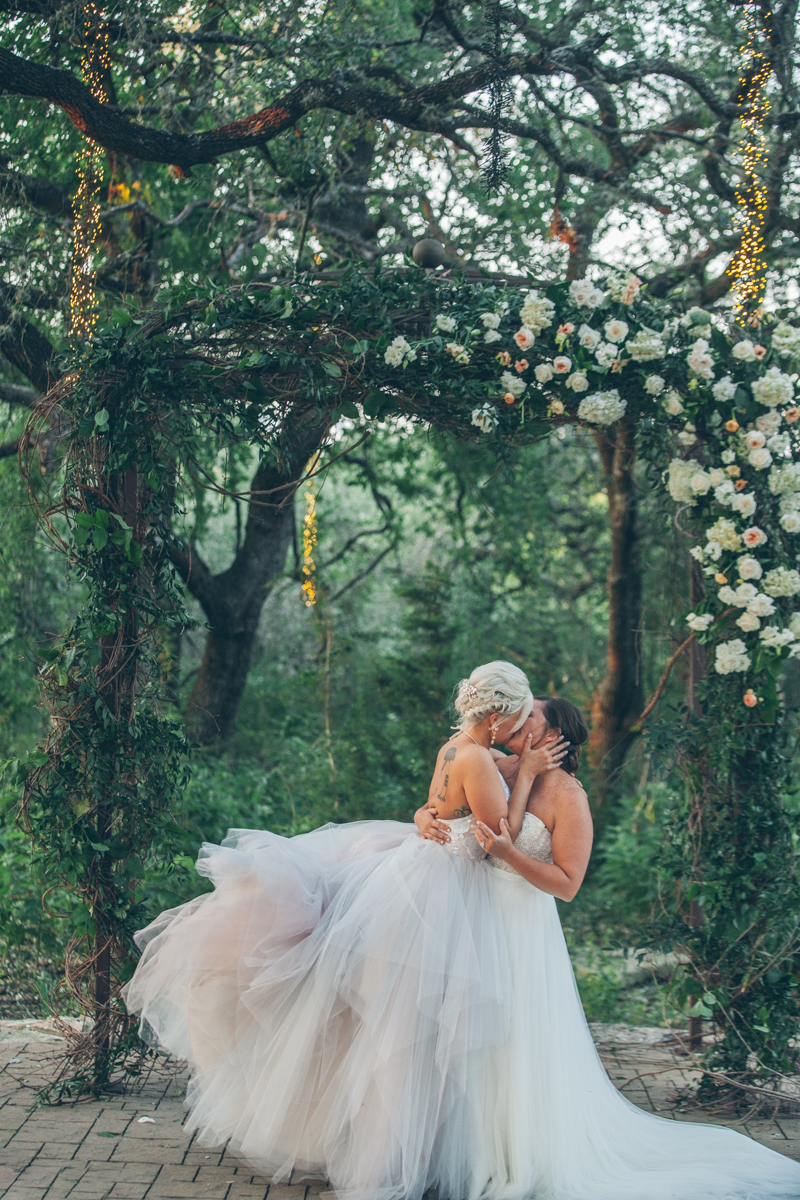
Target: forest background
(432, 554)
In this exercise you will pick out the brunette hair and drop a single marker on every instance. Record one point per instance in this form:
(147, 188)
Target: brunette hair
(560, 714)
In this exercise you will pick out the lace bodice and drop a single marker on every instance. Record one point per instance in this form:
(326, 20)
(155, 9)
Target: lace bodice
(533, 839)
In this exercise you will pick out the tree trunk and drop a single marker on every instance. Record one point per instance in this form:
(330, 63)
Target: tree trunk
(232, 601)
(620, 698)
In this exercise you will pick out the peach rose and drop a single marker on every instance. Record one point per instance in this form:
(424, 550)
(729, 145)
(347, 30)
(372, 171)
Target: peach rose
(509, 399)
(740, 485)
(759, 351)
(791, 414)
(731, 426)
(521, 365)
(504, 358)
(750, 698)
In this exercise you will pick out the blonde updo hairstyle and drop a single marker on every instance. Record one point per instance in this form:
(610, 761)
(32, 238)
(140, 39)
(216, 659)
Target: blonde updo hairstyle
(496, 687)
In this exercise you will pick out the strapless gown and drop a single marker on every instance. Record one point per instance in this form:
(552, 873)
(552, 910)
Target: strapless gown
(396, 1016)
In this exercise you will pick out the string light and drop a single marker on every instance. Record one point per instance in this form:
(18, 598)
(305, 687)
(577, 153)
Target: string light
(95, 62)
(310, 543)
(748, 265)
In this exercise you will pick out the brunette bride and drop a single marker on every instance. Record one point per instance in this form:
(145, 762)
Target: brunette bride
(364, 1005)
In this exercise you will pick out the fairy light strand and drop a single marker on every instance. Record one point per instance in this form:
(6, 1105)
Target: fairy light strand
(748, 265)
(95, 62)
(309, 546)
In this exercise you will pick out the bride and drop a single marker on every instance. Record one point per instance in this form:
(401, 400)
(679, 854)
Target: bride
(393, 1014)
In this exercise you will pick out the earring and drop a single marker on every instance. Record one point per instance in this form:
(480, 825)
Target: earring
(494, 734)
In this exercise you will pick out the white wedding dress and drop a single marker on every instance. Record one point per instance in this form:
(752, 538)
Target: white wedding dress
(362, 1005)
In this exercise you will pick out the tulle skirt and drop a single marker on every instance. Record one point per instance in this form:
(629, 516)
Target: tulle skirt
(362, 1005)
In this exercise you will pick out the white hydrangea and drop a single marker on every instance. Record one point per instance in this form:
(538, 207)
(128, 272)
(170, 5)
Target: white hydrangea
(605, 354)
(398, 350)
(744, 351)
(654, 385)
(446, 324)
(672, 403)
(775, 638)
(773, 388)
(485, 418)
(748, 622)
(700, 361)
(585, 294)
(732, 656)
(700, 483)
(537, 312)
(543, 372)
(679, 481)
(782, 581)
(725, 493)
(616, 330)
(699, 623)
(790, 521)
(760, 459)
(761, 605)
(786, 339)
(588, 338)
(749, 567)
(785, 479)
(513, 384)
(578, 381)
(794, 623)
(769, 422)
(744, 503)
(789, 502)
(723, 532)
(490, 319)
(492, 335)
(779, 443)
(724, 389)
(602, 408)
(688, 435)
(646, 346)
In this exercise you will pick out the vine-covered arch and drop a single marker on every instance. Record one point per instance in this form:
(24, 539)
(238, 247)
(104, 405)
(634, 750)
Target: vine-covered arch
(278, 368)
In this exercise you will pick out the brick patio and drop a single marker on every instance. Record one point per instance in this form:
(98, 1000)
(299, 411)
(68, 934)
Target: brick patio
(102, 1150)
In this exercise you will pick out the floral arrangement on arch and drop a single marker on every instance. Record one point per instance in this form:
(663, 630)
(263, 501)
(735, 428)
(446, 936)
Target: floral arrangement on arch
(721, 404)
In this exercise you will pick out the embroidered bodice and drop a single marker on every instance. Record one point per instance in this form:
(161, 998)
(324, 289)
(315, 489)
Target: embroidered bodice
(533, 838)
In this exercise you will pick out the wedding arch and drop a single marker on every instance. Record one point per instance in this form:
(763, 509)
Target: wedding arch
(278, 368)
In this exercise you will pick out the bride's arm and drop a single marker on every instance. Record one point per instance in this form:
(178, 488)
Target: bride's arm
(572, 845)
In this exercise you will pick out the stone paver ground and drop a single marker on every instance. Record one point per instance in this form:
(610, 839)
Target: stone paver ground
(102, 1150)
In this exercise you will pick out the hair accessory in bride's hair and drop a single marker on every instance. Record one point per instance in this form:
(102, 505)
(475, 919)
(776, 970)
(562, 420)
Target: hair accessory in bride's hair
(472, 691)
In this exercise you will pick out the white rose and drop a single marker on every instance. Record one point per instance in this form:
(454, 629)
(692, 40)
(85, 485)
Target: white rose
(727, 596)
(717, 476)
(687, 436)
(698, 552)
(713, 550)
(760, 459)
(490, 320)
(562, 365)
(744, 351)
(782, 581)
(744, 503)
(605, 354)
(512, 383)
(749, 567)
(773, 388)
(790, 521)
(732, 656)
(755, 439)
(616, 331)
(728, 456)
(761, 606)
(748, 622)
(524, 338)
(543, 372)
(584, 294)
(588, 338)
(492, 335)
(557, 406)
(578, 381)
(393, 357)
(724, 494)
(700, 482)
(654, 385)
(784, 479)
(769, 422)
(794, 623)
(774, 638)
(724, 390)
(673, 403)
(753, 537)
(700, 361)
(446, 324)
(699, 623)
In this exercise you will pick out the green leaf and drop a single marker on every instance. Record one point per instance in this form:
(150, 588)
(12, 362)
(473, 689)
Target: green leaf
(348, 409)
(332, 369)
(121, 317)
(101, 418)
(100, 847)
(106, 1133)
(100, 538)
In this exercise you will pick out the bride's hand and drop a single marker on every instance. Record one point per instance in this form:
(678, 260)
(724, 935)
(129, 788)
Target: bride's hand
(428, 826)
(548, 756)
(499, 845)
